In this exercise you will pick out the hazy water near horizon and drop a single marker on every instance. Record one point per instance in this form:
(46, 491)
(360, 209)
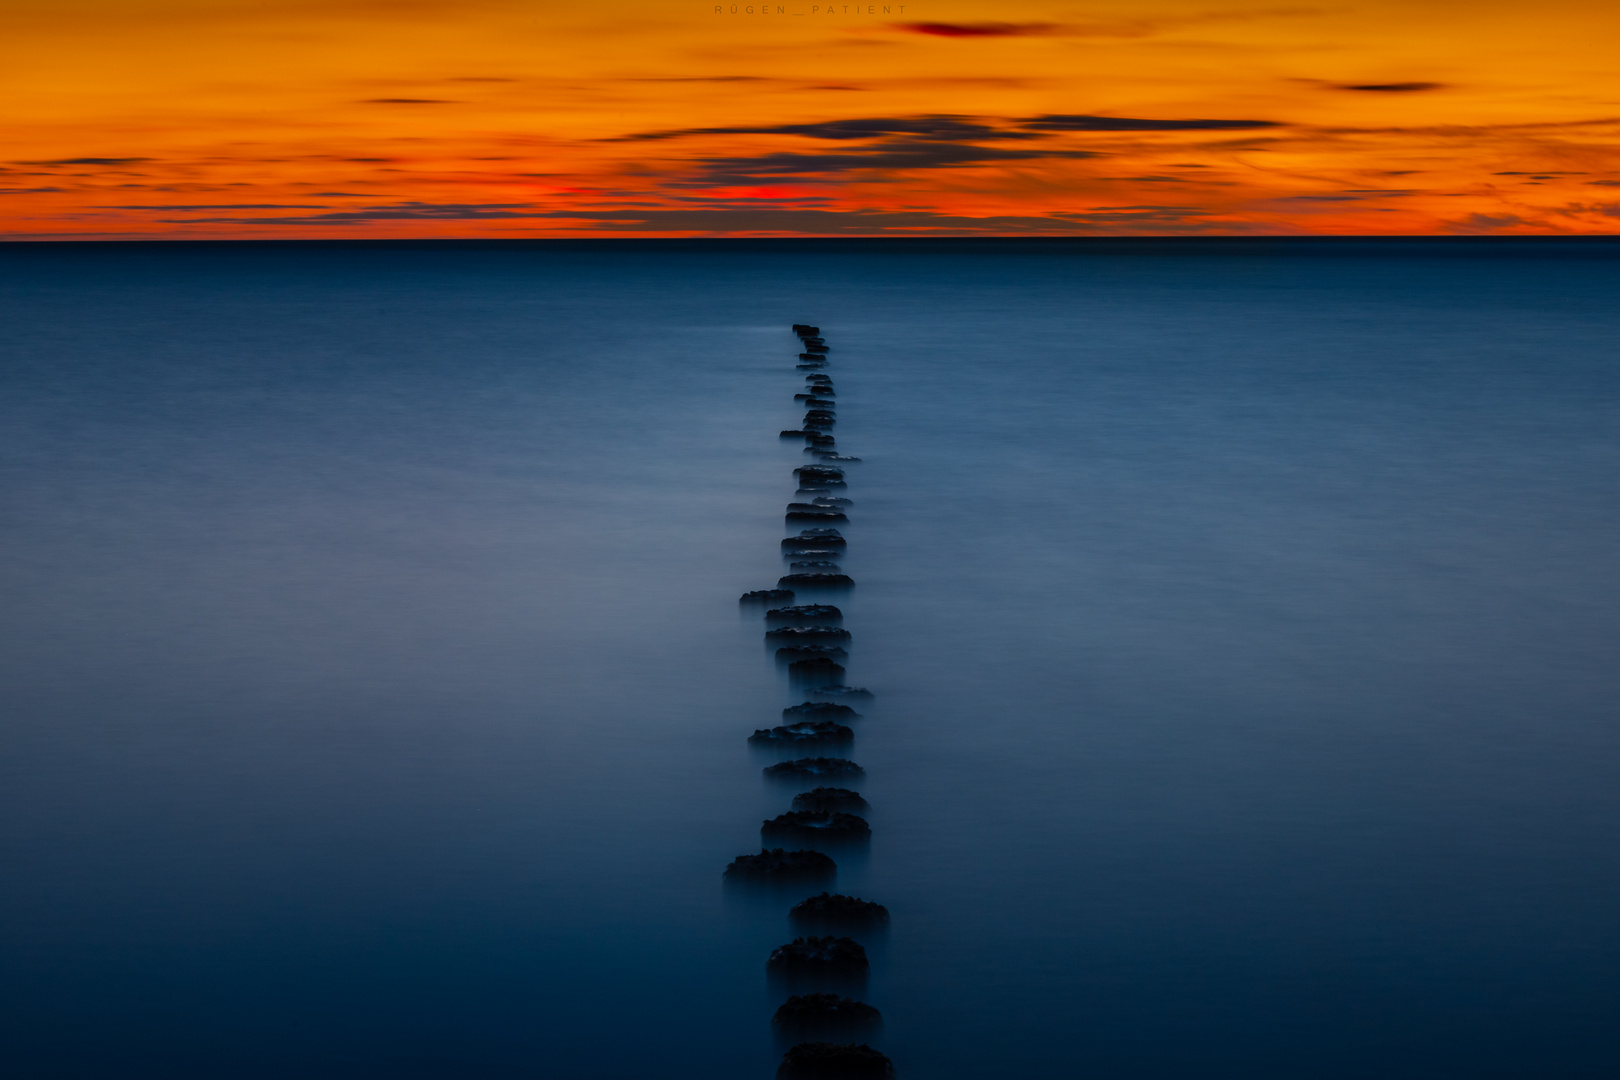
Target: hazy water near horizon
(1243, 619)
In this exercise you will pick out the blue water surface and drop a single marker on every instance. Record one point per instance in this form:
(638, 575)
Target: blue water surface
(1243, 617)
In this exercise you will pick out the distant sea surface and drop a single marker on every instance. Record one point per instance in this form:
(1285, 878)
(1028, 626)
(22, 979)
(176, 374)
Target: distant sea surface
(1244, 620)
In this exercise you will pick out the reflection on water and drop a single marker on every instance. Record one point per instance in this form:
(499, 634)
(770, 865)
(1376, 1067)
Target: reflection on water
(1241, 620)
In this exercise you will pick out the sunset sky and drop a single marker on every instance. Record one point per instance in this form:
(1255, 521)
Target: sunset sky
(538, 118)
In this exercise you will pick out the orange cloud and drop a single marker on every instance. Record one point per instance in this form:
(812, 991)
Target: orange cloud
(261, 118)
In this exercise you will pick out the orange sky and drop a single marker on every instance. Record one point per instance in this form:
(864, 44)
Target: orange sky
(535, 118)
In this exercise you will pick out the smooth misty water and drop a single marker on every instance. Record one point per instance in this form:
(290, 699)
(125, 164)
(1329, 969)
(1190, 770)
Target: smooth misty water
(1244, 619)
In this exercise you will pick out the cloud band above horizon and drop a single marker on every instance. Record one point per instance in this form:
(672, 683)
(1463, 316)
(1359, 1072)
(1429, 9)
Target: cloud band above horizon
(280, 118)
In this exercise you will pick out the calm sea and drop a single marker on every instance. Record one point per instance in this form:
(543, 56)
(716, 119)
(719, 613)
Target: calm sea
(1243, 619)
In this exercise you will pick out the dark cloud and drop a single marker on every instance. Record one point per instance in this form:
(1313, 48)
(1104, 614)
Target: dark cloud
(342, 194)
(1606, 209)
(699, 78)
(1392, 87)
(478, 79)
(906, 143)
(184, 209)
(89, 161)
(871, 127)
(954, 128)
(28, 190)
(1487, 222)
(1604, 183)
(1348, 195)
(407, 101)
(947, 127)
(980, 29)
(410, 211)
(893, 155)
(711, 199)
(1112, 216)
(1076, 122)
(729, 219)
